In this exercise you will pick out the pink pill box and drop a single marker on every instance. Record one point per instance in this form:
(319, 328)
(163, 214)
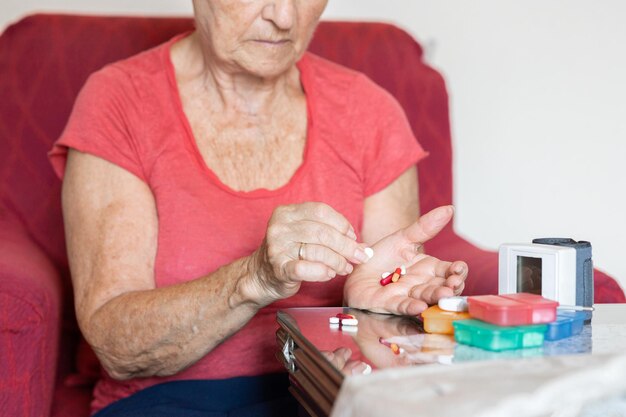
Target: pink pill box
(512, 309)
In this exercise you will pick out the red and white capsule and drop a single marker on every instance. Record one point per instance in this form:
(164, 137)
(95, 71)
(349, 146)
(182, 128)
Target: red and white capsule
(393, 346)
(344, 320)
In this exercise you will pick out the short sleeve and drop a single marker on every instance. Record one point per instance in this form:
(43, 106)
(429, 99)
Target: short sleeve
(103, 123)
(388, 144)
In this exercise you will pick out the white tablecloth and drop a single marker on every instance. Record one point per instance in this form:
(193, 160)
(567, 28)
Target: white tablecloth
(559, 386)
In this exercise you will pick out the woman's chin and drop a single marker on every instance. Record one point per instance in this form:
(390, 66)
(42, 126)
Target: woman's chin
(269, 65)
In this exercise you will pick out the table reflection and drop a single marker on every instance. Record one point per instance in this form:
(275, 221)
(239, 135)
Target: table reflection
(390, 341)
(384, 341)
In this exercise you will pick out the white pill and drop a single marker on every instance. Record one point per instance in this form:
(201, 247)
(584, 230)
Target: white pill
(369, 252)
(333, 320)
(453, 303)
(367, 370)
(349, 329)
(445, 359)
(349, 322)
(403, 270)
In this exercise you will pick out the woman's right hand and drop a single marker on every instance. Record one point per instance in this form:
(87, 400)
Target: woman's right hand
(304, 242)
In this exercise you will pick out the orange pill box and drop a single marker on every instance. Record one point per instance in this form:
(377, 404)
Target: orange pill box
(512, 309)
(440, 321)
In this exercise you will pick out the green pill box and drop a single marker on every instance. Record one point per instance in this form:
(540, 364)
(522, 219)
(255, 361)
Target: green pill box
(496, 338)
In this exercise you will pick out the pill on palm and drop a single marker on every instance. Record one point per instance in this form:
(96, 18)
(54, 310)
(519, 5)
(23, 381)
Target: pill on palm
(396, 275)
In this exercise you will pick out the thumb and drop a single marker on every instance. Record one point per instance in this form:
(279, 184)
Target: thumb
(429, 224)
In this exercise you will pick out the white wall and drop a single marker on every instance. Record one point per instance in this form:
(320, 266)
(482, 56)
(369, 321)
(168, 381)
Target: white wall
(538, 107)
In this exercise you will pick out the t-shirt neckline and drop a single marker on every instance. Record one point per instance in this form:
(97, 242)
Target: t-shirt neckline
(303, 68)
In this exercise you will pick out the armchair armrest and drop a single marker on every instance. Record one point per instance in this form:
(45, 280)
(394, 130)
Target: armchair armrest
(30, 314)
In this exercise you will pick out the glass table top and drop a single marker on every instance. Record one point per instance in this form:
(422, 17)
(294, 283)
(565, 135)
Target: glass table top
(383, 341)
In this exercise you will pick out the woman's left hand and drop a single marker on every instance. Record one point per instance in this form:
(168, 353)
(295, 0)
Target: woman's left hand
(427, 278)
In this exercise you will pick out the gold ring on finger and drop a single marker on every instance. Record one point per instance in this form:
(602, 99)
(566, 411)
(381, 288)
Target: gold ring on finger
(301, 251)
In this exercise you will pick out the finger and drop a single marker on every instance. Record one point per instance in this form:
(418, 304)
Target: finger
(409, 281)
(356, 368)
(415, 290)
(322, 213)
(338, 357)
(330, 356)
(457, 268)
(429, 224)
(317, 253)
(456, 275)
(442, 268)
(308, 271)
(344, 353)
(401, 304)
(321, 234)
(413, 252)
(454, 281)
(459, 289)
(430, 293)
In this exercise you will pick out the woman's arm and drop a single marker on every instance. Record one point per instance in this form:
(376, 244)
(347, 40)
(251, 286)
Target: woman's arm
(391, 209)
(139, 330)
(136, 330)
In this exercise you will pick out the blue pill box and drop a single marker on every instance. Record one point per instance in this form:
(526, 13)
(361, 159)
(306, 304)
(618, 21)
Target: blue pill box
(567, 324)
(579, 320)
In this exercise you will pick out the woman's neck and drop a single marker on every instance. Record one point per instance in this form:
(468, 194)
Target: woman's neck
(229, 86)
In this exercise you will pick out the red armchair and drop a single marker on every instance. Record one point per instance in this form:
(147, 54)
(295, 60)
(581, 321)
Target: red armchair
(44, 60)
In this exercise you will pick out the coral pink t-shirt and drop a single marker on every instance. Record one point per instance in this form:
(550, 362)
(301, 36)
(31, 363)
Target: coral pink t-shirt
(130, 113)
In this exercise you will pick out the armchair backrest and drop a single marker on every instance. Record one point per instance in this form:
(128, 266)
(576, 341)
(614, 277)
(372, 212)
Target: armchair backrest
(45, 59)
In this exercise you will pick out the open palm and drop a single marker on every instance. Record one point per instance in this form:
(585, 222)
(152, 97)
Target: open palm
(427, 278)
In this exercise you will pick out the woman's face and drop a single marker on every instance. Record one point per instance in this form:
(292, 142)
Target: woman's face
(261, 37)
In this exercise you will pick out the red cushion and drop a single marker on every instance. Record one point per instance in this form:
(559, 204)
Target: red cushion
(30, 306)
(71, 401)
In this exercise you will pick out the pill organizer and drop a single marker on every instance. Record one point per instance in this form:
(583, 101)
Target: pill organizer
(512, 309)
(440, 321)
(544, 310)
(465, 353)
(579, 320)
(497, 338)
(566, 324)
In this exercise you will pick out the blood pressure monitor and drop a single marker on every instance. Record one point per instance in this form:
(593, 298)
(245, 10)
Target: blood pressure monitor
(558, 269)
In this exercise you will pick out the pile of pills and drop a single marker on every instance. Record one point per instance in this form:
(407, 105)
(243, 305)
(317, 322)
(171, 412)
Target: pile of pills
(389, 277)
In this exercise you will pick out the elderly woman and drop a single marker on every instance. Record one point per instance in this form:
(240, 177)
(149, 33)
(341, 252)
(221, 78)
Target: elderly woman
(221, 176)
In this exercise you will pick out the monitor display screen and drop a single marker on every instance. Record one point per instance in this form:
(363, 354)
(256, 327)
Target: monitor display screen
(529, 274)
